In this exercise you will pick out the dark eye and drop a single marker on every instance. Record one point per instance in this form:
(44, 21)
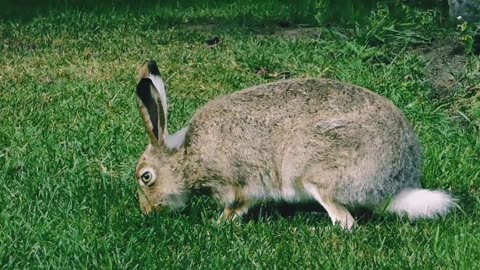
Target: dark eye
(146, 177)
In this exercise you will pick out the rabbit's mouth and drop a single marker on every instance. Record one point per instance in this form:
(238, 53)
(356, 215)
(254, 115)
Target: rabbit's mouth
(148, 209)
(147, 205)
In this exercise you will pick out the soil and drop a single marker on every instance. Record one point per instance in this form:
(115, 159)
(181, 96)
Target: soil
(446, 63)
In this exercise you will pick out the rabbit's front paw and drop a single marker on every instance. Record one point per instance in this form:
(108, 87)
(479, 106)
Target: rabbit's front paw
(232, 213)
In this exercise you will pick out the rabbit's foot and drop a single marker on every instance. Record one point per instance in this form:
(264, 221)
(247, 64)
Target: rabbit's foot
(234, 211)
(337, 212)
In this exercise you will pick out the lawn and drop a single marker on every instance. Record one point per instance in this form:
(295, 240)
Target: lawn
(71, 133)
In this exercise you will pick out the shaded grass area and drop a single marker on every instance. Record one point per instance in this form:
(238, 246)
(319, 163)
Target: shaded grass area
(70, 135)
(171, 12)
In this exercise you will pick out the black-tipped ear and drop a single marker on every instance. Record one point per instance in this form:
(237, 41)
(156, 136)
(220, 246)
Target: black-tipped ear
(153, 68)
(151, 109)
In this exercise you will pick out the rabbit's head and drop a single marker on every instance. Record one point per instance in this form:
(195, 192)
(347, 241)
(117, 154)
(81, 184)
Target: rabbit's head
(159, 186)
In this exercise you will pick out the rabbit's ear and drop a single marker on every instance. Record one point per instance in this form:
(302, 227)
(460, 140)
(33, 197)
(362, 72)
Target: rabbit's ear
(152, 100)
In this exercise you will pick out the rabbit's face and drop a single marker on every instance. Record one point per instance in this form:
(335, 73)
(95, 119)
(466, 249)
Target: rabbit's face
(158, 188)
(147, 177)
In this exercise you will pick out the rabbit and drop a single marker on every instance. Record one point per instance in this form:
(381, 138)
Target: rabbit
(294, 140)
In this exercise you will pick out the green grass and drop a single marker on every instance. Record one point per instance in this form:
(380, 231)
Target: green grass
(70, 136)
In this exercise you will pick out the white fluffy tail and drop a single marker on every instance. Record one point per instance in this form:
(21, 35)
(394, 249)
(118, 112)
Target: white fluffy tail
(421, 203)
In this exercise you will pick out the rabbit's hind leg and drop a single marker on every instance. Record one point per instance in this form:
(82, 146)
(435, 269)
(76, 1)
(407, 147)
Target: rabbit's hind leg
(337, 212)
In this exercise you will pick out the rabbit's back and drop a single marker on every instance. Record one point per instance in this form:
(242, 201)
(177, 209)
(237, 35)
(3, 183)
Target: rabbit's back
(272, 139)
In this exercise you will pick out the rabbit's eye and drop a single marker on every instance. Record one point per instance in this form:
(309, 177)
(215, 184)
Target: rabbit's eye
(146, 177)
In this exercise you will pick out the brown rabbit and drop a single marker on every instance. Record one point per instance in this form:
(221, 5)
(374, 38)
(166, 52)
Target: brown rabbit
(294, 140)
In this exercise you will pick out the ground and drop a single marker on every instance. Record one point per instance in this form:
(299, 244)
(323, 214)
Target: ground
(71, 133)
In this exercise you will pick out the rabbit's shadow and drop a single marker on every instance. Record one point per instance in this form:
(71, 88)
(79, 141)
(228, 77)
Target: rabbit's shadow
(279, 210)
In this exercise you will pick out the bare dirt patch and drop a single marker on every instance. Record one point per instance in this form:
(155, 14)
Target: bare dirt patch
(446, 63)
(290, 32)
